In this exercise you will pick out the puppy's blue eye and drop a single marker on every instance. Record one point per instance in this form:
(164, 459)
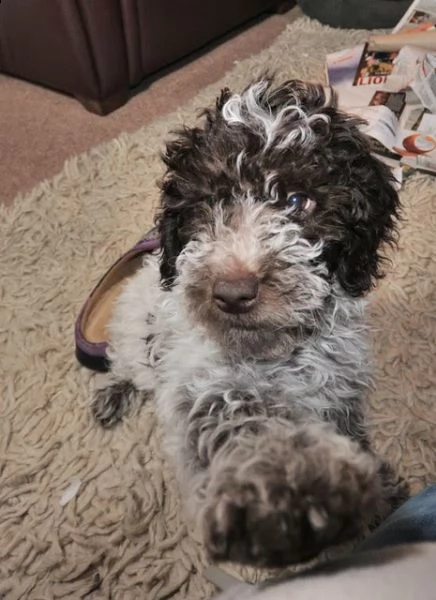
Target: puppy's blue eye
(295, 200)
(299, 202)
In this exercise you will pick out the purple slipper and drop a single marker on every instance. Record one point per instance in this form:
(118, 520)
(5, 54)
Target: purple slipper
(90, 328)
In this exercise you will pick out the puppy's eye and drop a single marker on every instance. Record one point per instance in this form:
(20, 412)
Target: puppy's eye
(299, 202)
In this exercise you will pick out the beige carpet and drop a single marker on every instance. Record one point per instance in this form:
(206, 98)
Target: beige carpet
(123, 535)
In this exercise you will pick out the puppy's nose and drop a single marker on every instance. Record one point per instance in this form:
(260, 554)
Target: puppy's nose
(237, 295)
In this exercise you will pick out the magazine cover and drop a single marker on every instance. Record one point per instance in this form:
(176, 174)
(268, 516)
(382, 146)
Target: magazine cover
(342, 66)
(374, 67)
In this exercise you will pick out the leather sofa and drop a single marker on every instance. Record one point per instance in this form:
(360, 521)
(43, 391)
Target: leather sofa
(98, 50)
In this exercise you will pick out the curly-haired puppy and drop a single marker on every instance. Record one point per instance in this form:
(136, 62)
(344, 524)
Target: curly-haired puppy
(248, 328)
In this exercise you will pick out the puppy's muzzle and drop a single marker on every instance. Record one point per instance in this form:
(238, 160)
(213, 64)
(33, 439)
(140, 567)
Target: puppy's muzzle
(236, 295)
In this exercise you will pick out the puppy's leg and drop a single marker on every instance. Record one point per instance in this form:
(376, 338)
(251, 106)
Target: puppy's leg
(133, 349)
(129, 382)
(395, 491)
(286, 493)
(113, 398)
(352, 423)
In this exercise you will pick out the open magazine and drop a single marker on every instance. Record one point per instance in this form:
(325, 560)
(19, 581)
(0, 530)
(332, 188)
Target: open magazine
(394, 91)
(421, 16)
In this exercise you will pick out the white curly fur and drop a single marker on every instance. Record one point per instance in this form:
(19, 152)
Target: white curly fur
(247, 109)
(158, 343)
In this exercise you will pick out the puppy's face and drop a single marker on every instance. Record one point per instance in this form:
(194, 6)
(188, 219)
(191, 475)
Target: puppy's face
(271, 203)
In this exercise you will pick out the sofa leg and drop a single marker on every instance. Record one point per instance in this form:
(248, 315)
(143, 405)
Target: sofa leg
(283, 6)
(105, 106)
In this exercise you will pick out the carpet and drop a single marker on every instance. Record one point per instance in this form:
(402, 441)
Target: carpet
(123, 535)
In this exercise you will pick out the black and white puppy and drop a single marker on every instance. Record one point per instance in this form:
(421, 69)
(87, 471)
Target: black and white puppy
(249, 327)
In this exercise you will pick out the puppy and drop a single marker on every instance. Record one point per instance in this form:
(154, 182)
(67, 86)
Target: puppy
(249, 330)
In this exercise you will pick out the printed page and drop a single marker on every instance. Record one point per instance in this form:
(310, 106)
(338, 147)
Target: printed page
(421, 16)
(342, 65)
(418, 147)
(424, 83)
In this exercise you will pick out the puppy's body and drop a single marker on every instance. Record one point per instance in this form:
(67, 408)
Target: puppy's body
(254, 347)
(164, 353)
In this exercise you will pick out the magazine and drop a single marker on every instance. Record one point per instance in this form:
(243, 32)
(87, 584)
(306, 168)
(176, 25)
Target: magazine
(416, 28)
(358, 66)
(392, 117)
(341, 66)
(421, 16)
(374, 67)
(424, 82)
(393, 91)
(400, 123)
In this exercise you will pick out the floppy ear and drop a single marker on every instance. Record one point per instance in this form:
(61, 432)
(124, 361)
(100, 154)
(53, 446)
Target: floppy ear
(183, 184)
(180, 159)
(171, 245)
(374, 214)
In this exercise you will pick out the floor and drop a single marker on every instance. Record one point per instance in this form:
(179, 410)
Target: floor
(40, 128)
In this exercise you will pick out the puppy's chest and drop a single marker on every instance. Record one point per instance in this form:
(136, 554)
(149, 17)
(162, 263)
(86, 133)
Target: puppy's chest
(318, 377)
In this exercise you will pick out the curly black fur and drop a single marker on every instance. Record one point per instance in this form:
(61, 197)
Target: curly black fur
(357, 205)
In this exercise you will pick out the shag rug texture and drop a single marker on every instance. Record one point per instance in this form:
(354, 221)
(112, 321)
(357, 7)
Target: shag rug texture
(123, 535)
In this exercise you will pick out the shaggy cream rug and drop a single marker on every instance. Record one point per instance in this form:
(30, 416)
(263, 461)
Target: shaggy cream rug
(123, 536)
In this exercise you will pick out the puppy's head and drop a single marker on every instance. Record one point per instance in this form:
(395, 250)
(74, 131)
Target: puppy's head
(271, 204)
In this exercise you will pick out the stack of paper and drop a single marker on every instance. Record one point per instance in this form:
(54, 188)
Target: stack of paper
(391, 84)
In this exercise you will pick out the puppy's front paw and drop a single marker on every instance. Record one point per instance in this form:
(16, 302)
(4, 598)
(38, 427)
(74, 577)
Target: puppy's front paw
(278, 510)
(112, 401)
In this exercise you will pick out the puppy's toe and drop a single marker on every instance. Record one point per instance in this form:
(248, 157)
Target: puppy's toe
(248, 523)
(227, 522)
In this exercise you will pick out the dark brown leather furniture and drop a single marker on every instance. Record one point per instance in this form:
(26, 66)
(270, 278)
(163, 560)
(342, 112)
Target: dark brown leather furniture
(97, 50)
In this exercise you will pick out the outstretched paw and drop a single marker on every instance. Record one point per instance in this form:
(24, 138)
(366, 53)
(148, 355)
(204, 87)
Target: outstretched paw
(281, 511)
